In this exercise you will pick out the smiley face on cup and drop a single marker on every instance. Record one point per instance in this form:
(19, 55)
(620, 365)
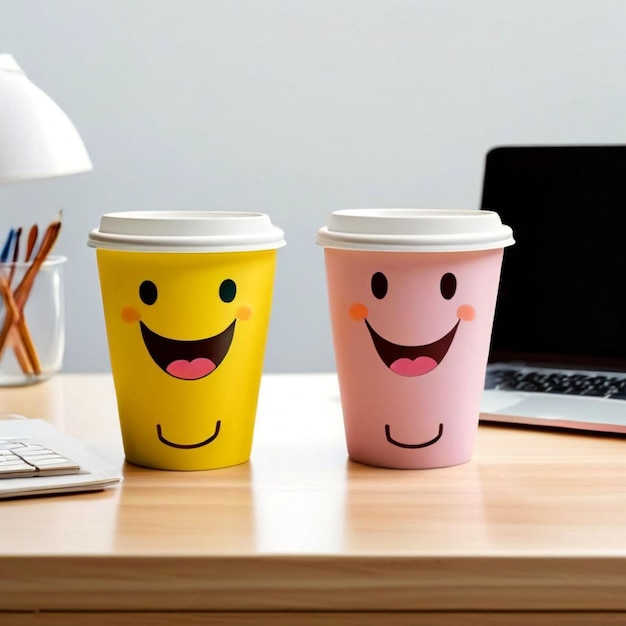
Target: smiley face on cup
(403, 357)
(185, 332)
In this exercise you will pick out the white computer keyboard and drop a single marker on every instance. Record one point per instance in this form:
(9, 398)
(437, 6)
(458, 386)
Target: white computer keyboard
(22, 459)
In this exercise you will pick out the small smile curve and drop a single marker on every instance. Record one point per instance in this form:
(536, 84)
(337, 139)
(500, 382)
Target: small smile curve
(189, 446)
(412, 446)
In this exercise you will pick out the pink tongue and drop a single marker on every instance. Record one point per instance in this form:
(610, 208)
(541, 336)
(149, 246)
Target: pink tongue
(190, 370)
(416, 367)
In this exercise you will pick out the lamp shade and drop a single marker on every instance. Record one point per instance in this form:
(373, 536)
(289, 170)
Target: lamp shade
(37, 139)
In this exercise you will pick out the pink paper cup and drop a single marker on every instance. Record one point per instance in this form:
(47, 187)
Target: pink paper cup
(412, 296)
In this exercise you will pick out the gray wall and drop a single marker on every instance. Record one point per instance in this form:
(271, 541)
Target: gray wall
(297, 108)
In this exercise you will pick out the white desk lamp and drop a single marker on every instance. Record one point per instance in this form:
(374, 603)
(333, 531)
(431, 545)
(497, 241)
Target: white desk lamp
(37, 140)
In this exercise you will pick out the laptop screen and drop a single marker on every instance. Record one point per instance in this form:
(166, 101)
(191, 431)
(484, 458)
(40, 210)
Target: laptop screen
(563, 282)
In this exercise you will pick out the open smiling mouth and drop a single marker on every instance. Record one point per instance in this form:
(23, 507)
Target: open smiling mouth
(412, 360)
(188, 360)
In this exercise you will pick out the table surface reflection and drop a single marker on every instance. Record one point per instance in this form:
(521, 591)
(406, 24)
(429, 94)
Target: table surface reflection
(535, 521)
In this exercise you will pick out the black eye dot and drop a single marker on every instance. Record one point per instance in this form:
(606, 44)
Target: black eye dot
(379, 285)
(448, 285)
(228, 289)
(148, 292)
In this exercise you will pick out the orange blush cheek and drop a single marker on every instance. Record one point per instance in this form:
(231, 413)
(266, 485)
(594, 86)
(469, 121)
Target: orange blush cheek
(358, 312)
(244, 312)
(130, 315)
(466, 312)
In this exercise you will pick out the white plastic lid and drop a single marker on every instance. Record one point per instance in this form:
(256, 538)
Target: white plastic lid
(416, 230)
(186, 231)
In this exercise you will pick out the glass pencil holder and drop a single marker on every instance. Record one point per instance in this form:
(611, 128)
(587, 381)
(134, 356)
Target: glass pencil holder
(32, 314)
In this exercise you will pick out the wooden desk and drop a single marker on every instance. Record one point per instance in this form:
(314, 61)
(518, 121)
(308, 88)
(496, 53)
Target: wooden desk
(531, 531)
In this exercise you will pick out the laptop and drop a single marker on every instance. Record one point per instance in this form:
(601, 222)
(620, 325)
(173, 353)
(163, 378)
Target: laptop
(558, 350)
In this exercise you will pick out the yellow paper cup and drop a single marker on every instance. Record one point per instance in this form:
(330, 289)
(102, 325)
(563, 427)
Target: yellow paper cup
(187, 299)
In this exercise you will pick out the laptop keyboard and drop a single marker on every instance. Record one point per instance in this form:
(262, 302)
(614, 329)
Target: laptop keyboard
(550, 381)
(21, 459)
